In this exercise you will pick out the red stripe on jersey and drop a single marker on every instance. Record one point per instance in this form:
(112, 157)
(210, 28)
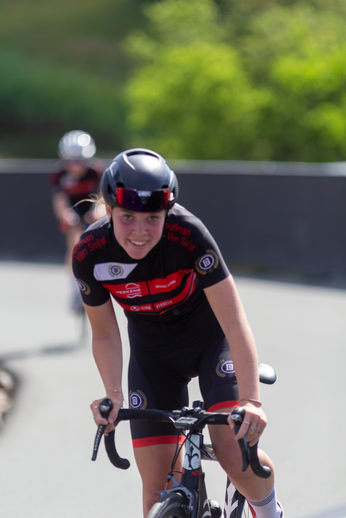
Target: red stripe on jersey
(126, 293)
(159, 439)
(170, 283)
(188, 289)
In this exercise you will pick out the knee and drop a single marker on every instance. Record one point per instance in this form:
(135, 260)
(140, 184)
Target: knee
(150, 497)
(151, 490)
(228, 454)
(231, 463)
(230, 460)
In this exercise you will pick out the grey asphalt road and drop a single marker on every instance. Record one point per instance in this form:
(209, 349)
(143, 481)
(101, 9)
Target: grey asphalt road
(46, 441)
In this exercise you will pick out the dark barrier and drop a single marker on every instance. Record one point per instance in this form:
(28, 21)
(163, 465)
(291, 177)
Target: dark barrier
(283, 216)
(28, 226)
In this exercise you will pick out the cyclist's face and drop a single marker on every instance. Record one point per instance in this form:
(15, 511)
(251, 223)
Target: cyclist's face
(75, 168)
(138, 232)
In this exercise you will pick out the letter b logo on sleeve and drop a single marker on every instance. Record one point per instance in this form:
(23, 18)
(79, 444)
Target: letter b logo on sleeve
(207, 263)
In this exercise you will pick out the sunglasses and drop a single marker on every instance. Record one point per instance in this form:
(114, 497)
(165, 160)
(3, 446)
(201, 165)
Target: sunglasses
(143, 201)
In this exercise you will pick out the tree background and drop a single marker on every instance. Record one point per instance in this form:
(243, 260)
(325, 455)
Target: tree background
(203, 79)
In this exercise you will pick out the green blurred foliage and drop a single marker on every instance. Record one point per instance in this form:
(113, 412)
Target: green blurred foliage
(188, 104)
(241, 80)
(299, 53)
(62, 67)
(191, 98)
(206, 79)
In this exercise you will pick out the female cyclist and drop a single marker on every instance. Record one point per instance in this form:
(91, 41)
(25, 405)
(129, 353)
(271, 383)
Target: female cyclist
(185, 319)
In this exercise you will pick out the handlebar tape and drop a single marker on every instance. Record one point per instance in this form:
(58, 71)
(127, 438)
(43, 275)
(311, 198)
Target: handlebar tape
(129, 414)
(249, 454)
(105, 407)
(256, 466)
(112, 453)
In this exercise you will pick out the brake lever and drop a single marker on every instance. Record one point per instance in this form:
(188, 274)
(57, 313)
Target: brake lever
(105, 407)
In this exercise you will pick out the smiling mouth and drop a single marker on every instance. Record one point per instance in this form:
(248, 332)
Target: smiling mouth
(138, 243)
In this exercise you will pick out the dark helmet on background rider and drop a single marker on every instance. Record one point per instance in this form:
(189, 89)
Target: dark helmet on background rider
(76, 145)
(139, 180)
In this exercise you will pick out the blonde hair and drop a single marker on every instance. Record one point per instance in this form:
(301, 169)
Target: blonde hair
(99, 202)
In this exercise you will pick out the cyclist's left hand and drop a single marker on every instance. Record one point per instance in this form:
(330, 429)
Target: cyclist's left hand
(253, 424)
(117, 401)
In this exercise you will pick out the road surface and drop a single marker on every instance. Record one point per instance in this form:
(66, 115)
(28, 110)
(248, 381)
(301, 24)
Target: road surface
(46, 440)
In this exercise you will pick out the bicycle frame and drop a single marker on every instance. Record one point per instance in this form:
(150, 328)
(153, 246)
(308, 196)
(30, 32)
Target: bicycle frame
(192, 482)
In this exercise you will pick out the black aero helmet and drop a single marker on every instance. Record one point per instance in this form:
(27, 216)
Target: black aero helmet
(139, 180)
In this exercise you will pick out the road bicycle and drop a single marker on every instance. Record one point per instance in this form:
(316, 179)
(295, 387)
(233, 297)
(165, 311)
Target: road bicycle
(188, 498)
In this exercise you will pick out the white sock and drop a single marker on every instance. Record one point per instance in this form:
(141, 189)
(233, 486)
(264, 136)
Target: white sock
(268, 507)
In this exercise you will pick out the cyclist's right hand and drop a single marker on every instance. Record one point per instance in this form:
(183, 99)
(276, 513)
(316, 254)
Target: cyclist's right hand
(68, 219)
(117, 401)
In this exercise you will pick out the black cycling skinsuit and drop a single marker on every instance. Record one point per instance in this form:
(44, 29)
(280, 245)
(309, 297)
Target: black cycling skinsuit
(173, 332)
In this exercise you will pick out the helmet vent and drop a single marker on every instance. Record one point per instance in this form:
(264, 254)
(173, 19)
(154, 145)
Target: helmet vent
(126, 159)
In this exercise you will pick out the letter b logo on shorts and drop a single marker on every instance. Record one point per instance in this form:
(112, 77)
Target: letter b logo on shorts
(138, 399)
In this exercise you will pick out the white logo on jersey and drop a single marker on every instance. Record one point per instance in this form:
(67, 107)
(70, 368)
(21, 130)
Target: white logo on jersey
(207, 263)
(132, 290)
(111, 271)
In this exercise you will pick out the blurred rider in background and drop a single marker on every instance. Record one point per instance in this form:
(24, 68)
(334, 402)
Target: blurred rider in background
(73, 184)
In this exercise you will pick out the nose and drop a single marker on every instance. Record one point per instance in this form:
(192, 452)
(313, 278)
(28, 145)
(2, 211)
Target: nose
(140, 227)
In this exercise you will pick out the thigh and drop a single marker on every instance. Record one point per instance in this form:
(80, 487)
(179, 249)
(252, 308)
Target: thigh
(154, 463)
(225, 446)
(217, 379)
(152, 386)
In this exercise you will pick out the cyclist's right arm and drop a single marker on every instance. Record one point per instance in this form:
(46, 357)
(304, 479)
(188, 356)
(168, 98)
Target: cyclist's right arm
(107, 351)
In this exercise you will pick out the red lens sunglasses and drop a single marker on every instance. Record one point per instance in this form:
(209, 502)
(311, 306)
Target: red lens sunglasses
(143, 201)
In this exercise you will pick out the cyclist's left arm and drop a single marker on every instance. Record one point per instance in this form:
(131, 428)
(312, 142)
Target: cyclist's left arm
(228, 309)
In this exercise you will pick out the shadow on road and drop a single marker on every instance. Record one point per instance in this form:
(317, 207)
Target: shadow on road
(58, 349)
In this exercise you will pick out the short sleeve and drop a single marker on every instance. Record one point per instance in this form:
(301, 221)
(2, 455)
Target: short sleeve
(209, 264)
(92, 291)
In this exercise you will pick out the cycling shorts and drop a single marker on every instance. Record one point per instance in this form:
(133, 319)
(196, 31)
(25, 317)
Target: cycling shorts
(162, 362)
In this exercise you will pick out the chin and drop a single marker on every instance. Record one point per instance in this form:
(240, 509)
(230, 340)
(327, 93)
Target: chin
(137, 254)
